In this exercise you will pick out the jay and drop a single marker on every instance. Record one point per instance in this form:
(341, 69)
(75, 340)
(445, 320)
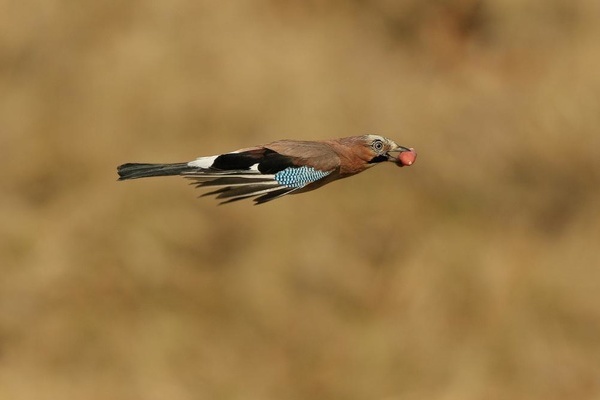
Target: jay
(276, 169)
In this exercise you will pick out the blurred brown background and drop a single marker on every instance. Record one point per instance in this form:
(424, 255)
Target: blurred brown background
(474, 274)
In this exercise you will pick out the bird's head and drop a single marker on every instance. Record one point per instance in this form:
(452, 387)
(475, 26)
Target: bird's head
(378, 149)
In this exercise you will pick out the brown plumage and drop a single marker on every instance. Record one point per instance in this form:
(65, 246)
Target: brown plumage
(279, 168)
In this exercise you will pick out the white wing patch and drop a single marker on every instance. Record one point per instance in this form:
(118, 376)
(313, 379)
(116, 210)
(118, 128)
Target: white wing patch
(203, 162)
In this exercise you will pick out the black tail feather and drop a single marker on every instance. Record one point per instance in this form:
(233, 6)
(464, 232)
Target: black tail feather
(135, 170)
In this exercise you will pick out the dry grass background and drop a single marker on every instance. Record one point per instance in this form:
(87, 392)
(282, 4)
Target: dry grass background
(474, 274)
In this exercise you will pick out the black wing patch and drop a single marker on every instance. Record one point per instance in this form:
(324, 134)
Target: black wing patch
(266, 161)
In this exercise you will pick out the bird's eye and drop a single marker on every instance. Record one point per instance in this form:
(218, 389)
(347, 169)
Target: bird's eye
(377, 146)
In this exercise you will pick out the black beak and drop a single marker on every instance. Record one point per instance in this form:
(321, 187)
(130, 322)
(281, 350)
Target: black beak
(393, 154)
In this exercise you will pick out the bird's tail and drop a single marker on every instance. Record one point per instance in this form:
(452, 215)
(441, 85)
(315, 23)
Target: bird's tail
(136, 170)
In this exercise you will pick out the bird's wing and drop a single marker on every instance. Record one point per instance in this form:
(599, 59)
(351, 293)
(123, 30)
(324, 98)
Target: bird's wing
(265, 173)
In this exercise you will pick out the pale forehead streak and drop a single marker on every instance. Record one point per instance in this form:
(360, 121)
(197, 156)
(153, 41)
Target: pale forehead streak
(376, 137)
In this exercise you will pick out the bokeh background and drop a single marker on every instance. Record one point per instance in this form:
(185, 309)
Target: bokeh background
(474, 274)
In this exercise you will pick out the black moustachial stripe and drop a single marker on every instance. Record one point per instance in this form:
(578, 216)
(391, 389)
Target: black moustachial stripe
(378, 159)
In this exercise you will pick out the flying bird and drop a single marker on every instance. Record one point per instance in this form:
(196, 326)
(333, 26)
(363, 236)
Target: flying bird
(276, 169)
